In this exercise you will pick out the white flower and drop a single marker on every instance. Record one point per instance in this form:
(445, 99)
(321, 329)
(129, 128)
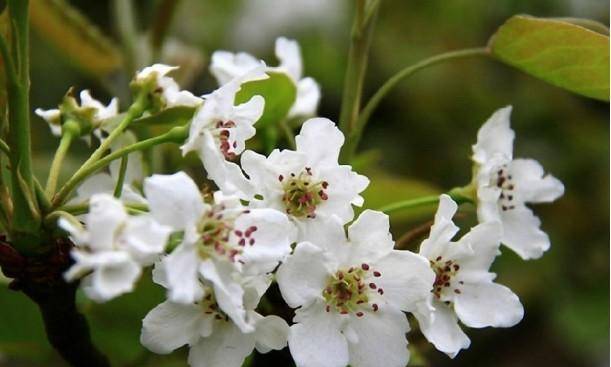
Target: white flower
(464, 287)
(105, 182)
(222, 241)
(226, 65)
(166, 87)
(113, 247)
(100, 115)
(505, 185)
(351, 295)
(214, 339)
(219, 131)
(309, 182)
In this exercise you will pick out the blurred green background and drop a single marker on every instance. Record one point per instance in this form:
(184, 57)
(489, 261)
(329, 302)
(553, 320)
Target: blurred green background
(417, 143)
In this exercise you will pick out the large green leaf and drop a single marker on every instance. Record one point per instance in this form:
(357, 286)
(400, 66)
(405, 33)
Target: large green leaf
(561, 53)
(279, 92)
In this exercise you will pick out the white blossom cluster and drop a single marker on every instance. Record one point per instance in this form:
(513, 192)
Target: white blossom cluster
(288, 217)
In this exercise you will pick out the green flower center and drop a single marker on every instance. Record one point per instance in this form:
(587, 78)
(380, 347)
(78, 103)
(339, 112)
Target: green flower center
(219, 238)
(348, 291)
(302, 193)
(445, 271)
(210, 307)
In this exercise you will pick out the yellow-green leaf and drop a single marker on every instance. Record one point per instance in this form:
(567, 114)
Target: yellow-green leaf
(79, 40)
(561, 53)
(279, 92)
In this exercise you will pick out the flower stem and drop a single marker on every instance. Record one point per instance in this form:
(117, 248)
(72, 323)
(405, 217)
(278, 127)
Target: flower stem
(56, 165)
(362, 31)
(175, 135)
(372, 104)
(134, 111)
(409, 204)
(121, 178)
(5, 148)
(456, 194)
(26, 220)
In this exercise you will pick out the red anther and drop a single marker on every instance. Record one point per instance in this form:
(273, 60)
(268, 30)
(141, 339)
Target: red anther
(365, 266)
(377, 274)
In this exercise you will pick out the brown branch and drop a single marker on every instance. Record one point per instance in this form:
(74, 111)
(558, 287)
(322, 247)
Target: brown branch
(40, 278)
(422, 230)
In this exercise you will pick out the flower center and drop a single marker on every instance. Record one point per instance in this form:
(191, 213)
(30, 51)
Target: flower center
(210, 307)
(302, 193)
(223, 135)
(219, 238)
(444, 272)
(347, 291)
(504, 181)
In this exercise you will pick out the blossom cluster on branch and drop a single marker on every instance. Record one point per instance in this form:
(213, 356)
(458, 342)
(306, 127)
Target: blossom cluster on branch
(289, 217)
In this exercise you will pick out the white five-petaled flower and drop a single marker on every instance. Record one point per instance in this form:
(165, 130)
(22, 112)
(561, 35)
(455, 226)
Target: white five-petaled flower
(219, 131)
(99, 115)
(113, 247)
(214, 339)
(463, 287)
(307, 183)
(223, 241)
(505, 185)
(227, 65)
(351, 294)
(166, 87)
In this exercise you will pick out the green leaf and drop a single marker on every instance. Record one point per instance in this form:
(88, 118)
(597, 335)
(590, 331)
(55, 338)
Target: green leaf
(279, 92)
(561, 53)
(75, 36)
(178, 115)
(385, 188)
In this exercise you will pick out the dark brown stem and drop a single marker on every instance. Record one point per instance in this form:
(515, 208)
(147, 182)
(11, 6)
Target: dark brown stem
(422, 230)
(40, 278)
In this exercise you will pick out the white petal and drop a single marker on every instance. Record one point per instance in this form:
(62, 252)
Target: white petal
(406, 278)
(114, 274)
(495, 137)
(344, 186)
(53, 118)
(174, 200)
(271, 239)
(289, 54)
(483, 242)
(531, 184)
(227, 175)
(144, 238)
(226, 347)
(441, 328)
(106, 215)
(227, 65)
(171, 325)
(308, 97)
(488, 304)
(522, 234)
(488, 204)
(181, 274)
(370, 236)
(381, 339)
(326, 233)
(228, 292)
(271, 334)
(316, 340)
(320, 140)
(443, 229)
(302, 277)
